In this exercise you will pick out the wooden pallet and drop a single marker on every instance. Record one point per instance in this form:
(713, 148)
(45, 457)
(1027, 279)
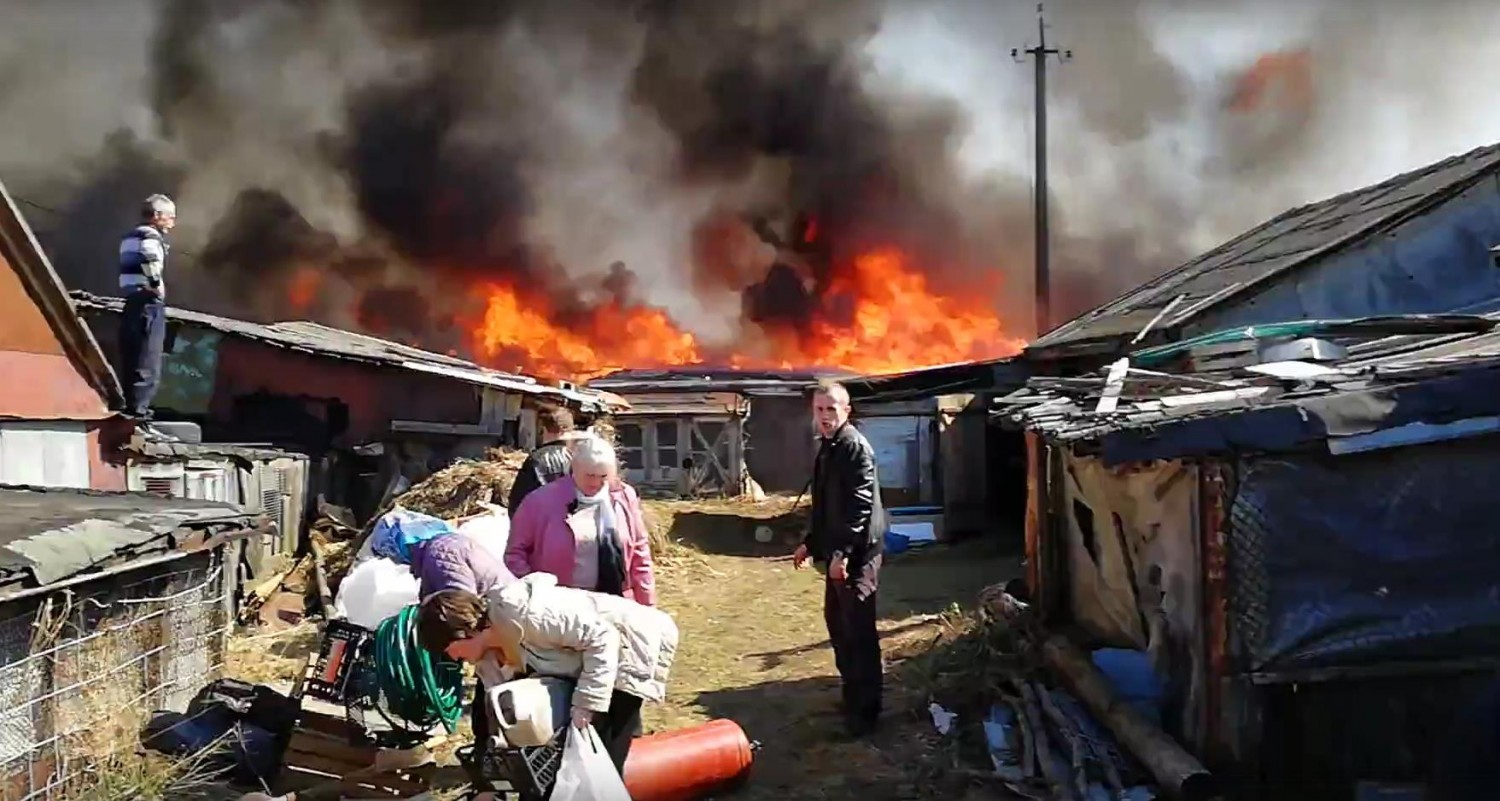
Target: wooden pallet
(321, 750)
(324, 751)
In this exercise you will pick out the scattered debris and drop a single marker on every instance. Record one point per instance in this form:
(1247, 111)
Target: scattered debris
(1051, 719)
(942, 719)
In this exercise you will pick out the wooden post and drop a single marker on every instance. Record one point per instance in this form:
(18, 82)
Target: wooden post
(1035, 512)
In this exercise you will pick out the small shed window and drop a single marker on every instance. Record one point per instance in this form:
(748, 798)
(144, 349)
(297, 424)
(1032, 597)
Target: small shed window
(666, 443)
(630, 448)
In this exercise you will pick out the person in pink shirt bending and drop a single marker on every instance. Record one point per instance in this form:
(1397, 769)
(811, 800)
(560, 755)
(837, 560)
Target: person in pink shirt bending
(587, 529)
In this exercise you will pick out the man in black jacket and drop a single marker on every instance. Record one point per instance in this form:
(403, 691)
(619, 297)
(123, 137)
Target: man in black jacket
(549, 461)
(846, 538)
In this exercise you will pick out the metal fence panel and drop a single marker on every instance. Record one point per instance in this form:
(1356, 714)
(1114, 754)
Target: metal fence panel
(82, 668)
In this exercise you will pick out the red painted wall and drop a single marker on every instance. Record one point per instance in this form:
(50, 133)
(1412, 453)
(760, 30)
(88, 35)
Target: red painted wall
(40, 381)
(375, 395)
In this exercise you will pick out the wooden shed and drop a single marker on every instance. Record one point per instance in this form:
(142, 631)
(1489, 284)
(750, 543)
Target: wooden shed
(685, 443)
(744, 431)
(935, 447)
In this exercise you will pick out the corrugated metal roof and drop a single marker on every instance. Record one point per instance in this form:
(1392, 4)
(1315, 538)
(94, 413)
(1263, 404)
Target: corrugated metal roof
(1064, 409)
(316, 338)
(56, 533)
(190, 450)
(964, 377)
(1287, 242)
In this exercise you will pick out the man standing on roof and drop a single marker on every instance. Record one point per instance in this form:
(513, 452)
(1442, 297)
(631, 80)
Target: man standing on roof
(846, 539)
(549, 461)
(143, 323)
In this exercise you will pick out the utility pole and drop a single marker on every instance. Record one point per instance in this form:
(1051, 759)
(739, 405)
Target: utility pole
(1039, 55)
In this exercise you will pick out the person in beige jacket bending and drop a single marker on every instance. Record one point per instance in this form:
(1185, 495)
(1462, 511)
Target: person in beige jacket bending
(619, 651)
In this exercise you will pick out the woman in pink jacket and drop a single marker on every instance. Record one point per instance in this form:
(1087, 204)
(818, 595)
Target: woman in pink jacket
(586, 529)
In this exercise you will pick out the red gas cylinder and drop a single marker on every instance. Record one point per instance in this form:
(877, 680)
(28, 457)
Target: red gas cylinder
(688, 764)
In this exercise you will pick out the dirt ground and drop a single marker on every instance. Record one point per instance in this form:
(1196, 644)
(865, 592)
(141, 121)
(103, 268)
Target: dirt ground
(754, 650)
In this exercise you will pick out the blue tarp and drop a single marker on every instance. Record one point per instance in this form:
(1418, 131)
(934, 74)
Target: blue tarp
(1384, 556)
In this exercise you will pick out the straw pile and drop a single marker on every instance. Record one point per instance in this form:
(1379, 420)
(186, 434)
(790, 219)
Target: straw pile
(462, 488)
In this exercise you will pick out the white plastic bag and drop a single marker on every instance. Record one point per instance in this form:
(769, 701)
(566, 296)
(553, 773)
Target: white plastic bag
(375, 590)
(491, 529)
(586, 772)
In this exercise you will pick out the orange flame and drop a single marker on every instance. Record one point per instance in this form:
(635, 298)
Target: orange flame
(897, 323)
(613, 338)
(1275, 79)
(304, 288)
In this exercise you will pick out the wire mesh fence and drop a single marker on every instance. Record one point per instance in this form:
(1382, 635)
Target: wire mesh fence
(82, 668)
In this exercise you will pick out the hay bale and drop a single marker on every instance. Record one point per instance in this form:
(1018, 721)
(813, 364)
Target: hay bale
(462, 488)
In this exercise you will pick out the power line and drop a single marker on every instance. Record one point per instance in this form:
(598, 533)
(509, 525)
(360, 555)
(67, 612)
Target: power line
(176, 253)
(1043, 281)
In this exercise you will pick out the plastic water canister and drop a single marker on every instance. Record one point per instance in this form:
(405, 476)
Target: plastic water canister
(375, 590)
(528, 712)
(1133, 678)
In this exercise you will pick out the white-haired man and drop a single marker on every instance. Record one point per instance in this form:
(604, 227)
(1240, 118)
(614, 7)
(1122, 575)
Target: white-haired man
(143, 322)
(587, 529)
(846, 538)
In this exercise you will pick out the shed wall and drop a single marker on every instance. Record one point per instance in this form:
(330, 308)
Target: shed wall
(371, 396)
(780, 444)
(53, 388)
(1123, 527)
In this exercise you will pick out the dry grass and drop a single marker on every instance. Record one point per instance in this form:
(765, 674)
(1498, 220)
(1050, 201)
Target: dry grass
(107, 683)
(273, 658)
(461, 488)
(754, 649)
(681, 528)
(104, 713)
(148, 777)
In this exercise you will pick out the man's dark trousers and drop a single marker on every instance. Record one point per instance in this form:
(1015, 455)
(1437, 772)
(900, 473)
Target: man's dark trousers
(849, 611)
(143, 333)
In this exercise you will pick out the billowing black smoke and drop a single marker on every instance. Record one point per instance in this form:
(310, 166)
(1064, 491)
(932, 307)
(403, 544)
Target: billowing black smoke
(440, 200)
(673, 152)
(440, 152)
(121, 174)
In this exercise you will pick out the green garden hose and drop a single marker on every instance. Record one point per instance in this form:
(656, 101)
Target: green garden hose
(416, 687)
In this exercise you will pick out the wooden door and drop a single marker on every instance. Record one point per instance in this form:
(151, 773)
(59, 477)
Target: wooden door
(713, 451)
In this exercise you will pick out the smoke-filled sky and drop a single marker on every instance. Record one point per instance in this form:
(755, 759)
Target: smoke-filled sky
(377, 164)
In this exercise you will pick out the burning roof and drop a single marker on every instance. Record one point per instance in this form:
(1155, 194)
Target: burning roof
(334, 343)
